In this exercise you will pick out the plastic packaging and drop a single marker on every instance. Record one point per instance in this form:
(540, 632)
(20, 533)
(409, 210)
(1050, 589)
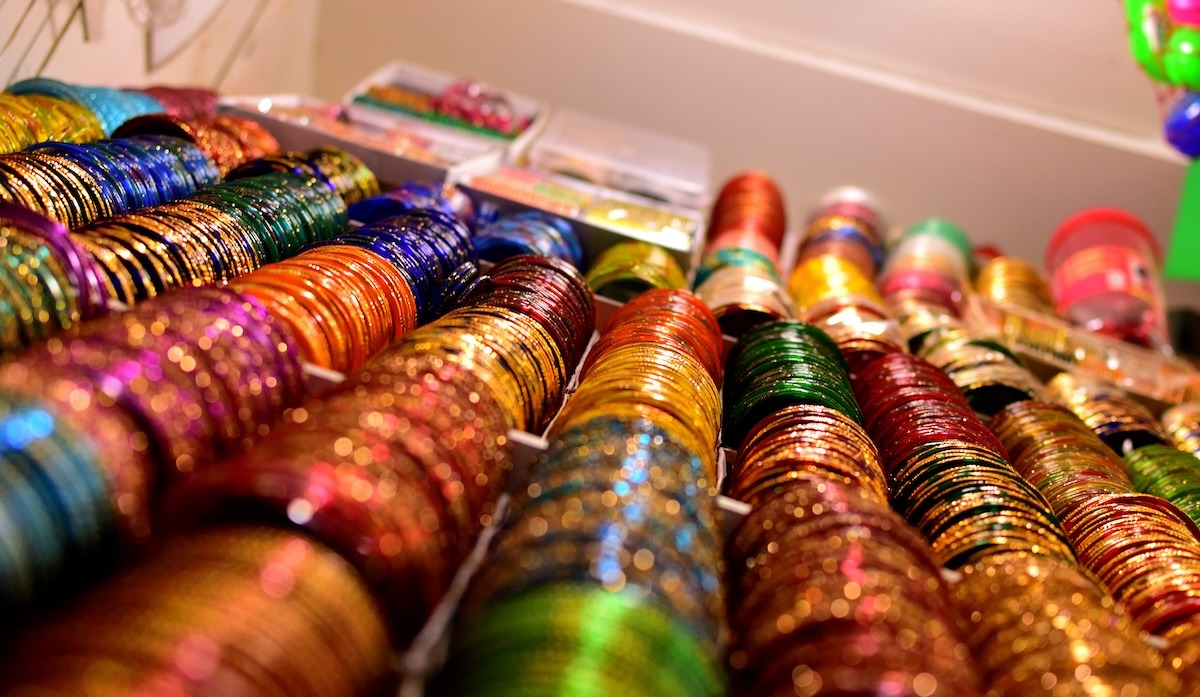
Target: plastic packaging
(1103, 265)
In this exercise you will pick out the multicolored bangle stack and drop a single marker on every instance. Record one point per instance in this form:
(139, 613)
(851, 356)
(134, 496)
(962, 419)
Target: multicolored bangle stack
(1143, 549)
(833, 284)
(347, 174)
(818, 563)
(229, 140)
(606, 574)
(948, 474)
(923, 284)
(47, 283)
(133, 402)
(401, 466)
(212, 236)
(349, 297)
(739, 276)
(81, 184)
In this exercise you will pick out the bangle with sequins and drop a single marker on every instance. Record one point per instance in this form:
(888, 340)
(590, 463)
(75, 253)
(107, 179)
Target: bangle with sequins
(1122, 423)
(830, 590)
(948, 475)
(1038, 626)
(241, 609)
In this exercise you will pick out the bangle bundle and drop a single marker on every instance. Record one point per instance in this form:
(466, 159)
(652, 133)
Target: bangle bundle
(342, 171)
(832, 593)
(111, 107)
(846, 225)
(212, 236)
(1142, 548)
(805, 441)
(446, 199)
(988, 374)
(187, 103)
(531, 232)
(36, 118)
(154, 395)
(742, 286)
(656, 359)
(1013, 282)
(833, 284)
(229, 140)
(80, 184)
(625, 270)
(234, 610)
(1123, 424)
(948, 474)
(1182, 421)
(47, 283)
(1041, 627)
(352, 295)
(1168, 472)
(614, 528)
(781, 364)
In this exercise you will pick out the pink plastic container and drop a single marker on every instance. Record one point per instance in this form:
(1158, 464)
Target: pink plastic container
(1103, 265)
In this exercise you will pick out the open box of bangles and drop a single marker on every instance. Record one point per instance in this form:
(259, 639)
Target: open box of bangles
(439, 105)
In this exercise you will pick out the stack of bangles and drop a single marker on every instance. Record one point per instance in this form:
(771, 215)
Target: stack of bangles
(739, 276)
(349, 297)
(81, 184)
(110, 107)
(833, 284)
(1143, 549)
(131, 403)
(30, 119)
(399, 467)
(212, 236)
(606, 576)
(948, 475)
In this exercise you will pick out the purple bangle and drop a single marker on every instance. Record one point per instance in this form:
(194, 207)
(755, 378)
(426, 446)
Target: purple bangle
(93, 298)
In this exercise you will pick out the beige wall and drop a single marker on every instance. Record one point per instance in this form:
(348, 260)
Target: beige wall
(277, 56)
(1003, 116)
